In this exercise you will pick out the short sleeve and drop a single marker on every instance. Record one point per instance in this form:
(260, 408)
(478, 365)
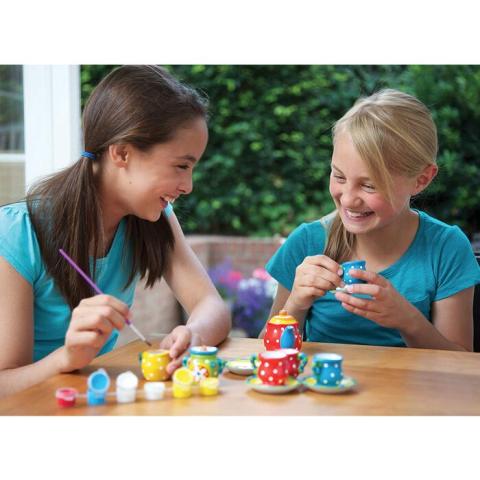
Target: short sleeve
(297, 246)
(458, 268)
(18, 242)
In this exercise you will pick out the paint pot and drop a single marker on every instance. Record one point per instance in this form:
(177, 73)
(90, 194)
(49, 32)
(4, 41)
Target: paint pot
(98, 383)
(66, 397)
(154, 390)
(127, 383)
(209, 386)
(182, 383)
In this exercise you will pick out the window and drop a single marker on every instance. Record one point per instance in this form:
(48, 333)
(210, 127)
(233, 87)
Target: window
(12, 149)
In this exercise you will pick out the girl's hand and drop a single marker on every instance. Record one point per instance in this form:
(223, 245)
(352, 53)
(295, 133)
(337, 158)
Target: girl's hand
(90, 327)
(178, 342)
(313, 278)
(386, 307)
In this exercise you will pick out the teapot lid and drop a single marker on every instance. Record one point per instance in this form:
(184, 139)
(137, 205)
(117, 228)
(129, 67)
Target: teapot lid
(283, 318)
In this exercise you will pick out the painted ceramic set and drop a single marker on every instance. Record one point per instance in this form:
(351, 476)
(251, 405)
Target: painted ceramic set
(277, 369)
(198, 375)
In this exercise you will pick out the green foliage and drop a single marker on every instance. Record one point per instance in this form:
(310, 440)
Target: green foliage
(11, 102)
(266, 167)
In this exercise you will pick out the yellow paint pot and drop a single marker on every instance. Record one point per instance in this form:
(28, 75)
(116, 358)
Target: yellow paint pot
(182, 383)
(209, 386)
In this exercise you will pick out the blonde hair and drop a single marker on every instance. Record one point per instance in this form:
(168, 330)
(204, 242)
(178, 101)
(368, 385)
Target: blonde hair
(393, 133)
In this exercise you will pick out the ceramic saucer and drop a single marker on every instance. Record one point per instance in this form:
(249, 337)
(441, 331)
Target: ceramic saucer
(348, 383)
(240, 366)
(255, 383)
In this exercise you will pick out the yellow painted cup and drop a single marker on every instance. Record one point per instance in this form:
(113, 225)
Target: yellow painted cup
(154, 365)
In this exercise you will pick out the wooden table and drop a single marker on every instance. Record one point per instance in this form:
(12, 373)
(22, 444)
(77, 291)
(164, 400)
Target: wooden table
(391, 381)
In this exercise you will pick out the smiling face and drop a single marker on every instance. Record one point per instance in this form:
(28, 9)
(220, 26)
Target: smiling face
(146, 181)
(362, 208)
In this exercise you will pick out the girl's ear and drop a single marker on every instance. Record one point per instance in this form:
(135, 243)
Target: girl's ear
(424, 178)
(119, 155)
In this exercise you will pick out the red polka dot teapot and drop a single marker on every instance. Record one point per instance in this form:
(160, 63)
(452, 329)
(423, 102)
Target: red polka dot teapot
(282, 332)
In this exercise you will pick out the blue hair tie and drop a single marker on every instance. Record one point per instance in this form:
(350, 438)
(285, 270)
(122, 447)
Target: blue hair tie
(89, 155)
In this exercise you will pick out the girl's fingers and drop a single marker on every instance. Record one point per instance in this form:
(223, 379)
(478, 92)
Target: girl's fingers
(86, 338)
(363, 304)
(174, 364)
(99, 313)
(92, 322)
(312, 291)
(365, 289)
(370, 277)
(358, 311)
(321, 278)
(325, 262)
(109, 301)
(180, 345)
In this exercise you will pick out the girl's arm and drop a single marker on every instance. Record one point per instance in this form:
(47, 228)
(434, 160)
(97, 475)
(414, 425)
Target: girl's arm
(90, 326)
(16, 335)
(452, 318)
(452, 327)
(209, 317)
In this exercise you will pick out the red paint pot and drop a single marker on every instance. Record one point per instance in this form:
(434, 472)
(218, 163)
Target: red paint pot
(66, 397)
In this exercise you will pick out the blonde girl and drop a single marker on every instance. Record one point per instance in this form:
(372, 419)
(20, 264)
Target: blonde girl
(420, 272)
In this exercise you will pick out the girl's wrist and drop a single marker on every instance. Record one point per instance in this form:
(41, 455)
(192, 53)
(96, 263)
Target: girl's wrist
(61, 360)
(292, 307)
(413, 323)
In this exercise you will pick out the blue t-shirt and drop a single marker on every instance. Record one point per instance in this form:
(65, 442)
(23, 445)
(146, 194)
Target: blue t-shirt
(438, 264)
(19, 246)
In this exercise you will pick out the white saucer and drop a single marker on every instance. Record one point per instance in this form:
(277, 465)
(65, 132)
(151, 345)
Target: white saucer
(240, 366)
(347, 383)
(255, 383)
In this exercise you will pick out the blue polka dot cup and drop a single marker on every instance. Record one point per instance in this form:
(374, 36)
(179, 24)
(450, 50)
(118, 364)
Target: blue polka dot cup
(355, 265)
(327, 369)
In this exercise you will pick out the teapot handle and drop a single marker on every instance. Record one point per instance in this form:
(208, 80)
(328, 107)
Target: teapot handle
(221, 365)
(253, 361)
(303, 361)
(185, 361)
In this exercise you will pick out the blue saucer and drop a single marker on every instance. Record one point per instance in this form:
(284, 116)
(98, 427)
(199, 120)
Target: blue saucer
(347, 383)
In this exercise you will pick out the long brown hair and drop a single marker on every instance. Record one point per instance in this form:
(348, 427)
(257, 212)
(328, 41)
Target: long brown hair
(393, 132)
(138, 105)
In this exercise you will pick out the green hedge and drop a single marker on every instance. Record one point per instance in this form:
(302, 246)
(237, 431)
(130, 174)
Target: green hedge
(266, 167)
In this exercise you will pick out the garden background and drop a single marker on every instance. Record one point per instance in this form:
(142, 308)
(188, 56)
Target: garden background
(266, 167)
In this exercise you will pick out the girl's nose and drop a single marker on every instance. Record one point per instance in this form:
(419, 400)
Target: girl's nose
(186, 186)
(350, 198)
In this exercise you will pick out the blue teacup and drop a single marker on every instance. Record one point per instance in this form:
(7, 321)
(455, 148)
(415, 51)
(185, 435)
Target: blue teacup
(327, 369)
(355, 265)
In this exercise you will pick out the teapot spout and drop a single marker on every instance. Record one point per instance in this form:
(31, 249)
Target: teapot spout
(287, 339)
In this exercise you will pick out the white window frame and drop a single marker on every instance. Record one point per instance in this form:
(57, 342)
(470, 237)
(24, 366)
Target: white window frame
(52, 118)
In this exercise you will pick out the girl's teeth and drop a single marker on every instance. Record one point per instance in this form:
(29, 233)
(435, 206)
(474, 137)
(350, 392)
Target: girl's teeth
(357, 214)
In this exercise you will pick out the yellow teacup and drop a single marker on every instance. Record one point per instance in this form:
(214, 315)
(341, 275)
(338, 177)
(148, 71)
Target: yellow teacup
(154, 365)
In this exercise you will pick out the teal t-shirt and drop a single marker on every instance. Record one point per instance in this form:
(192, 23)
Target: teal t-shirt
(438, 264)
(19, 246)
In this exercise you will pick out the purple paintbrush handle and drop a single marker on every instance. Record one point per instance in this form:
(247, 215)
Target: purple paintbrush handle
(85, 276)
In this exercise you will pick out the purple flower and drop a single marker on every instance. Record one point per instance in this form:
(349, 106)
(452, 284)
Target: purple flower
(251, 298)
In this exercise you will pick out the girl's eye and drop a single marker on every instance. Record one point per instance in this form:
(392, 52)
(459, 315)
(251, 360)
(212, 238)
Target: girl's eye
(183, 167)
(370, 188)
(339, 178)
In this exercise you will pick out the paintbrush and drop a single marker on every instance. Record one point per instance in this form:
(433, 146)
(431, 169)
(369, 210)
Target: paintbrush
(97, 290)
